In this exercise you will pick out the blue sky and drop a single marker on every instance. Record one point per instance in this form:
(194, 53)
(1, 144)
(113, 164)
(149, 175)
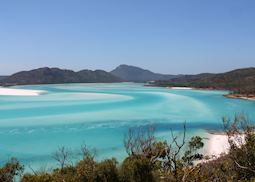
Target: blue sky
(167, 36)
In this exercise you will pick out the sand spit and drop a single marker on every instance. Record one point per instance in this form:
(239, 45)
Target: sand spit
(19, 92)
(180, 88)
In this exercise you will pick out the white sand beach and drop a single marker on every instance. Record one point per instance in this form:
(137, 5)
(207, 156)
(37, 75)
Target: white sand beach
(180, 88)
(19, 92)
(216, 145)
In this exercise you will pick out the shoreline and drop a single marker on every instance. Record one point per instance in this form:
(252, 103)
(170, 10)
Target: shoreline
(180, 88)
(19, 92)
(250, 97)
(10, 91)
(240, 96)
(216, 145)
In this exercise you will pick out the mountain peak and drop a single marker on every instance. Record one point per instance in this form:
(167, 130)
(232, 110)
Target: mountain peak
(133, 73)
(125, 66)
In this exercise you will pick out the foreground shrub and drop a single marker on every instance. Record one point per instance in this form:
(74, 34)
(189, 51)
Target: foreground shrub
(37, 178)
(136, 169)
(89, 170)
(10, 170)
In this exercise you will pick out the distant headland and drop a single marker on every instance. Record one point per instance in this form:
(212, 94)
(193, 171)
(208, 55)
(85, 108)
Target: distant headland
(240, 82)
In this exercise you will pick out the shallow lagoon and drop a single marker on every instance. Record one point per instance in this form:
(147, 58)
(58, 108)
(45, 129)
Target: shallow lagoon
(32, 127)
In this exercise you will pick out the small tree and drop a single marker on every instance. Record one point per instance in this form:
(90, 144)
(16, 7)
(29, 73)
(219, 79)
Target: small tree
(139, 141)
(88, 153)
(63, 156)
(192, 153)
(173, 162)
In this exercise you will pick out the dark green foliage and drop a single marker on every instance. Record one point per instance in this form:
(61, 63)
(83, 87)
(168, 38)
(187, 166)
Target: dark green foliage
(192, 154)
(56, 75)
(137, 169)
(241, 81)
(136, 74)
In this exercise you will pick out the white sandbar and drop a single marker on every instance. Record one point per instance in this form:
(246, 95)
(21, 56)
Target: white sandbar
(19, 92)
(217, 144)
(180, 88)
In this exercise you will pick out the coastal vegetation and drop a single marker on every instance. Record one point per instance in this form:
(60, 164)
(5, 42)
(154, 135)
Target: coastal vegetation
(136, 74)
(56, 75)
(240, 81)
(149, 160)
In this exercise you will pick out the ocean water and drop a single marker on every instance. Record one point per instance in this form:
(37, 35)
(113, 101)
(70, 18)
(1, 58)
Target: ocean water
(33, 127)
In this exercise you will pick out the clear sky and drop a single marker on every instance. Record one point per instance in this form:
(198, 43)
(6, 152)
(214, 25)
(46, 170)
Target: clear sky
(167, 36)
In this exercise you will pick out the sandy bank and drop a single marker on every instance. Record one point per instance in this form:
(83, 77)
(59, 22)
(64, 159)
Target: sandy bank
(241, 96)
(216, 145)
(180, 88)
(19, 92)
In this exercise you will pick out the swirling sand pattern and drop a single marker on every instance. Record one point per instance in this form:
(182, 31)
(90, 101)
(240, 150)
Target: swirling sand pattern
(99, 114)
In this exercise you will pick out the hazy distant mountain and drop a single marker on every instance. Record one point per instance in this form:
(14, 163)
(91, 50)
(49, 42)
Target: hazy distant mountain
(136, 74)
(2, 77)
(240, 80)
(56, 75)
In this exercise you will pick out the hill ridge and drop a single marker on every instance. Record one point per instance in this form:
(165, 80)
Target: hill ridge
(46, 75)
(137, 74)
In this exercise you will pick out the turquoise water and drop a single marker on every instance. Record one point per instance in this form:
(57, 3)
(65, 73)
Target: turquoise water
(32, 127)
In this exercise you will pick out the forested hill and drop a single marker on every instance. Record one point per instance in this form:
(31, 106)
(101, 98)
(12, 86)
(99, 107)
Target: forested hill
(239, 81)
(136, 74)
(55, 75)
